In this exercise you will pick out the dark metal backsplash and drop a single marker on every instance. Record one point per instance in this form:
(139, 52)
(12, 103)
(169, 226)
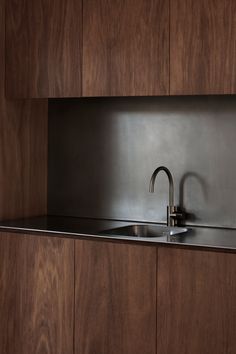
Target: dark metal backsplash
(102, 152)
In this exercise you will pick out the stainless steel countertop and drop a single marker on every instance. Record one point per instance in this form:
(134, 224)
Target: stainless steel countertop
(92, 228)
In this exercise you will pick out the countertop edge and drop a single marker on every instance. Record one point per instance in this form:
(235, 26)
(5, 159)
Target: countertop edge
(117, 239)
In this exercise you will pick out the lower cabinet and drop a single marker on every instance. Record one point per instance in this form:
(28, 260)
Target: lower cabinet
(65, 296)
(196, 302)
(36, 294)
(115, 298)
(94, 298)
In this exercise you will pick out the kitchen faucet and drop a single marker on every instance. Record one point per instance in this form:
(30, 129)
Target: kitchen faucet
(173, 213)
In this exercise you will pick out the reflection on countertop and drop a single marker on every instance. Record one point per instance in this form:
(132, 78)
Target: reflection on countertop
(85, 227)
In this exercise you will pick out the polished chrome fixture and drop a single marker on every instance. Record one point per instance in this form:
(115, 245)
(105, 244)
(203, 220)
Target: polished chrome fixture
(174, 214)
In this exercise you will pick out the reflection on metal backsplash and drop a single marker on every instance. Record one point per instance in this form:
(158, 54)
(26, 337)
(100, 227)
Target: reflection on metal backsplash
(102, 152)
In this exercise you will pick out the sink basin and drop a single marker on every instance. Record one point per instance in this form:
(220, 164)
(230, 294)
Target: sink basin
(144, 230)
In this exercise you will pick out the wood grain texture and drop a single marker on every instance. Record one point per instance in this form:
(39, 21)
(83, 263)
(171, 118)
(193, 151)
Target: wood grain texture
(125, 48)
(115, 298)
(44, 48)
(23, 149)
(203, 47)
(37, 294)
(196, 302)
(23, 159)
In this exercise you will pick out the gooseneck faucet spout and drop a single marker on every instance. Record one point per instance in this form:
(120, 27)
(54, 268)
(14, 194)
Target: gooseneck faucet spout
(171, 183)
(173, 214)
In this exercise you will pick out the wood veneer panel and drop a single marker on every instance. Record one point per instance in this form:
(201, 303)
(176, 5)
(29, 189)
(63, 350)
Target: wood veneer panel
(23, 159)
(37, 294)
(23, 149)
(115, 298)
(125, 48)
(196, 309)
(44, 48)
(203, 47)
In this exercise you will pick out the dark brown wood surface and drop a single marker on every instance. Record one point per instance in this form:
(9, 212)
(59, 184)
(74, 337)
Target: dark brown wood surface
(23, 149)
(43, 48)
(23, 159)
(115, 298)
(125, 48)
(37, 294)
(196, 308)
(203, 47)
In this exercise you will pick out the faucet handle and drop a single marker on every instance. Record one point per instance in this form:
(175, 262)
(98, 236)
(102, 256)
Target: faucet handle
(174, 215)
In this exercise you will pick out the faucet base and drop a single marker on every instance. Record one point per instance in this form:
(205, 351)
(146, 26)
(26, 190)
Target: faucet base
(174, 215)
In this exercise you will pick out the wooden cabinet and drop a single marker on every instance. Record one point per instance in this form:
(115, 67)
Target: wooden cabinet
(23, 149)
(115, 298)
(43, 40)
(37, 294)
(196, 308)
(129, 48)
(63, 296)
(202, 47)
(107, 306)
(125, 48)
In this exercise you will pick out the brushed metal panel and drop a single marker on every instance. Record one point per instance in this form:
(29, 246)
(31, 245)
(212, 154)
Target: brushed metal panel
(102, 152)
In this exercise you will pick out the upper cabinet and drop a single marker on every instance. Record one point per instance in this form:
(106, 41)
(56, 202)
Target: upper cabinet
(202, 47)
(43, 41)
(63, 48)
(125, 48)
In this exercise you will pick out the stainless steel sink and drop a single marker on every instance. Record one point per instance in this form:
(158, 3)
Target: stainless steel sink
(145, 230)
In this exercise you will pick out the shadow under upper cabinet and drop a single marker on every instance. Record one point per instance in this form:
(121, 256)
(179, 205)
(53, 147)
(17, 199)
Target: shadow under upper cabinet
(102, 152)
